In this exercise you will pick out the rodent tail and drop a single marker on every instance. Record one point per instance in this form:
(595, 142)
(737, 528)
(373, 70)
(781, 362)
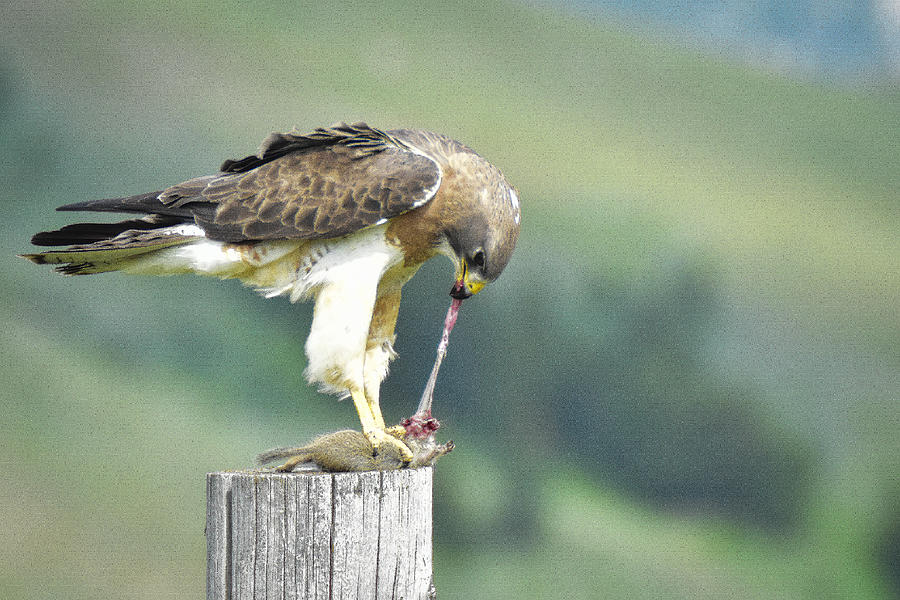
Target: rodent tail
(281, 454)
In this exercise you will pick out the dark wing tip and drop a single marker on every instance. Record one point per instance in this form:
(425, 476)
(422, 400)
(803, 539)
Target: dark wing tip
(42, 239)
(142, 203)
(90, 205)
(72, 207)
(87, 233)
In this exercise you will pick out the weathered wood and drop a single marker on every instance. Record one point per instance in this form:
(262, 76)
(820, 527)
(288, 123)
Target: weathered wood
(304, 536)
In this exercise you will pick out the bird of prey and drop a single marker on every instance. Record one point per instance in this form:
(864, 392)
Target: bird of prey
(344, 215)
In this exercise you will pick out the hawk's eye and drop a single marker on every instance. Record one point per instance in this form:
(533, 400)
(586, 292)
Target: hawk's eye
(478, 258)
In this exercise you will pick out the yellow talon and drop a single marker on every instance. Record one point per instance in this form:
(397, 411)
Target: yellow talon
(373, 427)
(380, 438)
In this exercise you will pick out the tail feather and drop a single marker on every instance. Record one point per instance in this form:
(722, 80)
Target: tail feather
(113, 254)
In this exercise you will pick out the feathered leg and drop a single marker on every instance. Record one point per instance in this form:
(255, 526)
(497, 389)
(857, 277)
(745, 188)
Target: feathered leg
(338, 347)
(380, 350)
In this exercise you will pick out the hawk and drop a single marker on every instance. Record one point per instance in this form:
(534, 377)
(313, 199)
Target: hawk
(344, 215)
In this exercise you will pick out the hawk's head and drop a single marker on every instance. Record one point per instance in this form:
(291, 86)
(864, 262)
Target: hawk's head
(483, 240)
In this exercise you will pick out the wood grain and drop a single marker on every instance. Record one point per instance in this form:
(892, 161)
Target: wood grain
(360, 535)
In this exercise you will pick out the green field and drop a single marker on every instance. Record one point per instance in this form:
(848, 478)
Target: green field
(685, 385)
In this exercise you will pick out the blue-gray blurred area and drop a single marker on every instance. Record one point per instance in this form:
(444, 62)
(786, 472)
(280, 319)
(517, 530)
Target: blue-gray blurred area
(851, 40)
(684, 386)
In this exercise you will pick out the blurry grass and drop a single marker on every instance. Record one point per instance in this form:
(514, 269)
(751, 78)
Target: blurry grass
(592, 541)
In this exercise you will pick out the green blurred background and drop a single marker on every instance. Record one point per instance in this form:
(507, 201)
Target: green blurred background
(684, 386)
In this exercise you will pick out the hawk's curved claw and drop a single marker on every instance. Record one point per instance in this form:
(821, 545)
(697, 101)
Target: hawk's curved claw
(385, 442)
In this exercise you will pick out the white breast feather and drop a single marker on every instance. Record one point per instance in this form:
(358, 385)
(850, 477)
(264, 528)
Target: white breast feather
(345, 281)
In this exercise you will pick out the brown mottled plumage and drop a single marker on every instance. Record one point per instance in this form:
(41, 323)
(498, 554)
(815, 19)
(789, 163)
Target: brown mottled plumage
(345, 214)
(310, 187)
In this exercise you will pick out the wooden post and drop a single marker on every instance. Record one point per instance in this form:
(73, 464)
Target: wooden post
(304, 536)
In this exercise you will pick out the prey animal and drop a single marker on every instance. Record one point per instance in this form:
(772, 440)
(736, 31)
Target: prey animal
(344, 215)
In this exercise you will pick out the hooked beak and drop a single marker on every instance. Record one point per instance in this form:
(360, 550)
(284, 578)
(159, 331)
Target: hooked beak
(464, 286)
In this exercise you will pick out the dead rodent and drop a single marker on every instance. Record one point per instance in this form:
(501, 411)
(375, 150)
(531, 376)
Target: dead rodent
(350, 450)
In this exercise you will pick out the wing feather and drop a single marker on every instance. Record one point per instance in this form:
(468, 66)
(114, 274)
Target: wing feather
(326, 184)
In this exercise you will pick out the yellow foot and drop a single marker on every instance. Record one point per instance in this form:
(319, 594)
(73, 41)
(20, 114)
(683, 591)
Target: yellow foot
(398, 431)
(384, 442)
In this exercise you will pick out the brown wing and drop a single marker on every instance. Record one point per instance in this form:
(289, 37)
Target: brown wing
(326, 184)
